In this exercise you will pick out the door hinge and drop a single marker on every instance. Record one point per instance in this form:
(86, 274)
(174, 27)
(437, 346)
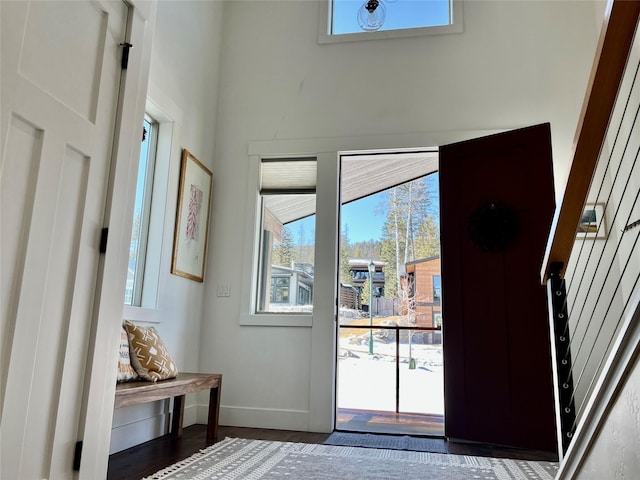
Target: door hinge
(126, 46)
(77, 455)
(103, 240)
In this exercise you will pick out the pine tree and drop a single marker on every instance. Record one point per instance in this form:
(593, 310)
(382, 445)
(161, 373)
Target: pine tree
(345, 271)
(365, 296)
(283, 251)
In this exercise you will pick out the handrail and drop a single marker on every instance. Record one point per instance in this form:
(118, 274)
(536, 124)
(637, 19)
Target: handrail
(615, 42)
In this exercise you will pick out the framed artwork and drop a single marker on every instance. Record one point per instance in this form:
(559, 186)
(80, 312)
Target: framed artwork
(192, 219)
(592, 222)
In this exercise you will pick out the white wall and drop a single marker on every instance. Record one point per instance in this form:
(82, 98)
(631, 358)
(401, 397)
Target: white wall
(614, 453)
(183, 85)
(516, 64)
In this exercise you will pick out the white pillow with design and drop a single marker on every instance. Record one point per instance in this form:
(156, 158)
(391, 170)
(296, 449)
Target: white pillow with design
(126, 371)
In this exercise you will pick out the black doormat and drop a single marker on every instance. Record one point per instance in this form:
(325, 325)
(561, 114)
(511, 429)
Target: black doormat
(393, 442)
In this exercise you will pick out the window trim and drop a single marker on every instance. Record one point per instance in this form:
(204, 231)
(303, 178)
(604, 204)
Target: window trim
(147, 202)
(249, 315)
(261, 290)
(170, 118)
(325, 36)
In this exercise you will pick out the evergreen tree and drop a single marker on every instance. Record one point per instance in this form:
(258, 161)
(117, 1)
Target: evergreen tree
(345, 271)
(283, 254)
(428, 240)
(365, 296)
(408, 231)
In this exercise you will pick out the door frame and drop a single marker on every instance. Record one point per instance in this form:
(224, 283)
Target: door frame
(320, 416)
(411, 153)
(100, 381)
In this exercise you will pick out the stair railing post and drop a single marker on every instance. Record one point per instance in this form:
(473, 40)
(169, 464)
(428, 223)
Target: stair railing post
(561, 357)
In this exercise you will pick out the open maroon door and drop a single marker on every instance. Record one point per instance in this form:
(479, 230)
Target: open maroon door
(497, 203)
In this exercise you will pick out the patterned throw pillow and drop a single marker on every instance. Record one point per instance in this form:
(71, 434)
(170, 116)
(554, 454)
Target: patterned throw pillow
(149, 354)
(125, 370)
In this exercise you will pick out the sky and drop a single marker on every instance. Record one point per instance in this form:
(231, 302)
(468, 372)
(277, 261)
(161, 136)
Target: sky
(400, 14)
(365, 217)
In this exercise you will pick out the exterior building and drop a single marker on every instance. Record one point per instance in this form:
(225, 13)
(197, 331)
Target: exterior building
(290, 287)
(424, 276)
(350, 297)
(359, 269)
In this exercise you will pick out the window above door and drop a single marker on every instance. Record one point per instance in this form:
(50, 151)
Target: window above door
(354, 20)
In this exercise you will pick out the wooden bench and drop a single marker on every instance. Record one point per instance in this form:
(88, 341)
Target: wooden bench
(133, 393)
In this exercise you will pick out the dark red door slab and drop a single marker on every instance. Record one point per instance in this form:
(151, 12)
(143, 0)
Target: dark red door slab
(497, 203)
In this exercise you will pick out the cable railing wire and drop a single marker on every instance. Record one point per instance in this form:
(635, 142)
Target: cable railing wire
(589, 289)
(610, 266)
(611, 300)
(609, 159)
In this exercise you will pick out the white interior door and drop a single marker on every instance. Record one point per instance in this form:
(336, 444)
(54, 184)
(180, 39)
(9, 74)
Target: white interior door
(60, 83)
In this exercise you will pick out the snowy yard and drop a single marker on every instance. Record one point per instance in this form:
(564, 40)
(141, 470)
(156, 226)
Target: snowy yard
(368, 382)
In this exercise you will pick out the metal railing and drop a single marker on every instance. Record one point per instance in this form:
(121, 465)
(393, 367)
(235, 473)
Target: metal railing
(396, 329)
(592, 267)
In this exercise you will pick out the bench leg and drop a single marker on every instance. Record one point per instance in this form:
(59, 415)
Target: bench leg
(177, 416)
(214, 412)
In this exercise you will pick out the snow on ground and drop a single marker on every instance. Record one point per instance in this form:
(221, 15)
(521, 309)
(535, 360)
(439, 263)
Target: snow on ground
(368, 382)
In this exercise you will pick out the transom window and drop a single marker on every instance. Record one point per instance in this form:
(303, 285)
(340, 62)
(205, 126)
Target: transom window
(353, 16)
(348, 20)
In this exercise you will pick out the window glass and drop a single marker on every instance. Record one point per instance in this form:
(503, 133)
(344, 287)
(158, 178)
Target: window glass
(398, 14)
(287, 239)
(287, 256)
(437, 289)
(141, 214)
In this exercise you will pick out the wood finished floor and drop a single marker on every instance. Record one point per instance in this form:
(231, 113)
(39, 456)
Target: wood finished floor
(147, 458)
(390, 423)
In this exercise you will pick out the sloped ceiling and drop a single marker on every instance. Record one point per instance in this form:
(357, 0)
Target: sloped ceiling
(361, 175)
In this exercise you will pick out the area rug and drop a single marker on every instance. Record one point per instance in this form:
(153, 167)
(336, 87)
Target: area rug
(393, 442)
(236, 458)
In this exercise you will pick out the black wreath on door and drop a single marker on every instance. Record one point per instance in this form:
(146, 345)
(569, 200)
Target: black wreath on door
(493, 226)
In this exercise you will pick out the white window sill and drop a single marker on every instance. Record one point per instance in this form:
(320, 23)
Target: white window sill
(140, 314)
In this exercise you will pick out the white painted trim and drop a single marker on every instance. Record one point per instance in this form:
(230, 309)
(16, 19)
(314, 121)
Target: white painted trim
(251, 241)
(169, 117)
(324, 27)
(278, 419)
(623, 354)
(130, 434)
(322, 372)
(371, 143)
(139, 314)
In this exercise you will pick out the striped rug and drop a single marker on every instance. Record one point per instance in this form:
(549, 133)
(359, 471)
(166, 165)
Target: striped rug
(242, 459)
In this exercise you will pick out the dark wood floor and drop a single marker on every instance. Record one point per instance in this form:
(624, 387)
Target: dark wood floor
(147, 458)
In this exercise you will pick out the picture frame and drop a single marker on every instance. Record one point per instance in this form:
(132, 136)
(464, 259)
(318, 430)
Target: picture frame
(192, 219)
(593, 222)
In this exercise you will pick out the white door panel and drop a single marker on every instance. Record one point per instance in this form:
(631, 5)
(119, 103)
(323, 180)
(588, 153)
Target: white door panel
(55, 173)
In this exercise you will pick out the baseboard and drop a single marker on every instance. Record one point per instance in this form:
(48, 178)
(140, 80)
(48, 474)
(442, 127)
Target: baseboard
(141, 423)
(131, 434)
(276, 419)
